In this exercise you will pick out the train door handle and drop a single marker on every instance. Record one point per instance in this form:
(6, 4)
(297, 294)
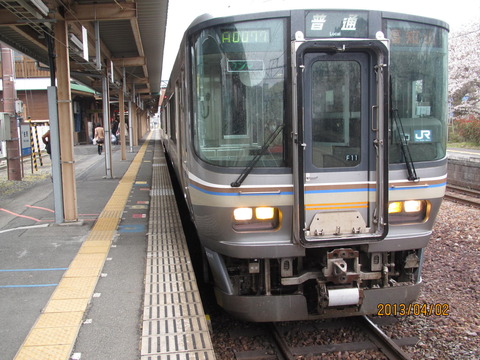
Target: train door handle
(374, 111)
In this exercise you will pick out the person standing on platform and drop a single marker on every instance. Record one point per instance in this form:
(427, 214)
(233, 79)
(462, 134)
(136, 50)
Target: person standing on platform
(114, 131)
(99, 137)
(46, 141)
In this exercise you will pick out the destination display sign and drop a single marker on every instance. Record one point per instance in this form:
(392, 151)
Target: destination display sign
(336, 24)
(251, 36)
(245, 65)
(409, 36)
(236, 36)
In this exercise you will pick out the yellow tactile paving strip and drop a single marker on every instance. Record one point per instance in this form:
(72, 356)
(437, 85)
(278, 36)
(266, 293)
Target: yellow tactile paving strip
(55, 331)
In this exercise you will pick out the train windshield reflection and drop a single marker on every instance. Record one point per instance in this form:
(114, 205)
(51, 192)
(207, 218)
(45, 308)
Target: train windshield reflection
(418, 62)
(239, 89)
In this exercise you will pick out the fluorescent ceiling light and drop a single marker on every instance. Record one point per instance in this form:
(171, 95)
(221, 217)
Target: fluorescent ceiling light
(40, 5)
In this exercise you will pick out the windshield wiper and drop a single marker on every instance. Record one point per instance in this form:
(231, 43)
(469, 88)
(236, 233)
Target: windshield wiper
(257, 157)
(412, 174)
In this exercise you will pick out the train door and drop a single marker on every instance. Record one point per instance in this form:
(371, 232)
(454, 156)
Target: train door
(341, 176)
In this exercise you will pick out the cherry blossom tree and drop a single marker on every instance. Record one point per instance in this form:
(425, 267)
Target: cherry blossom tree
(464, 71)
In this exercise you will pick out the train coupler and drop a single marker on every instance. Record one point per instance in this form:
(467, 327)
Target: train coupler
(342, 274)
(343, 266)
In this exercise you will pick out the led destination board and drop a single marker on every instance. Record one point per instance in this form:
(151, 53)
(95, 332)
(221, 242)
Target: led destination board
(251, 36)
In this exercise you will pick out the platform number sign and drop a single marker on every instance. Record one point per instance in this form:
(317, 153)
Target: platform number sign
(25, 136)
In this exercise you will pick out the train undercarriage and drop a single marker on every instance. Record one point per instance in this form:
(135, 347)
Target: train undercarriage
(325, 283)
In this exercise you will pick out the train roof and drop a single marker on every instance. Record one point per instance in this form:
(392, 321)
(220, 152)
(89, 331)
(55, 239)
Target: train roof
(231, 15)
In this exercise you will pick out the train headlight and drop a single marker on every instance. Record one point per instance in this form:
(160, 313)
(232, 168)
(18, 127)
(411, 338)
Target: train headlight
(256, 219)
(412, 206)
(394, 207)
(410, 211)
(265, 213)
(242, 214)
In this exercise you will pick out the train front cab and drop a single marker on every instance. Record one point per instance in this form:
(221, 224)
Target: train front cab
(363, 145)
(341, 177)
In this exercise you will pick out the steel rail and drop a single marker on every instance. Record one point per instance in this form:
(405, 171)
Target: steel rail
(464, 190)
(280, 343)
(385, 344)
(463, 195)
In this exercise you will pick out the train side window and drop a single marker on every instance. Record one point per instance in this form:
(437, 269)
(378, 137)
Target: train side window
(164, 118)
(172, 116)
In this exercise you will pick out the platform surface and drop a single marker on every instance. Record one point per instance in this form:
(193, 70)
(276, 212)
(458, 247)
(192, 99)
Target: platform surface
(117, 284)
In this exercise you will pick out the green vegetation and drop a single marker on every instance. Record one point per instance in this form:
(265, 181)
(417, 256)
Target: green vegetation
(464, 133)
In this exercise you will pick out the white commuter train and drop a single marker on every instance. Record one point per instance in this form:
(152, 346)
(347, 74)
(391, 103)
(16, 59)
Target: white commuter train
(311, 149)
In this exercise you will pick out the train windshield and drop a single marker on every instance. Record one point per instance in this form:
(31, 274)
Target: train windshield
(239, 74)
(418, 90)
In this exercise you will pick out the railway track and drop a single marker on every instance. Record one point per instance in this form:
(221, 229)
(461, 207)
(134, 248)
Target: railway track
(463, 195)
(319, 340)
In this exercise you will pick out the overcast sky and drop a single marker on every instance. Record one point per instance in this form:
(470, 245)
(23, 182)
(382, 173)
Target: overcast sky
(182, 12)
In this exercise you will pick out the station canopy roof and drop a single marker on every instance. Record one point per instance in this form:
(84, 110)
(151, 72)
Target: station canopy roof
(132, 37)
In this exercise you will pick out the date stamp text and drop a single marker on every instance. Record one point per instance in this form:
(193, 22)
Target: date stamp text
(413, 309)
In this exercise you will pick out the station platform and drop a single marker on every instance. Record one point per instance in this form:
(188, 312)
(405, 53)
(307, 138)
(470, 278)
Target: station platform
(116, 284)
(464, 168)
